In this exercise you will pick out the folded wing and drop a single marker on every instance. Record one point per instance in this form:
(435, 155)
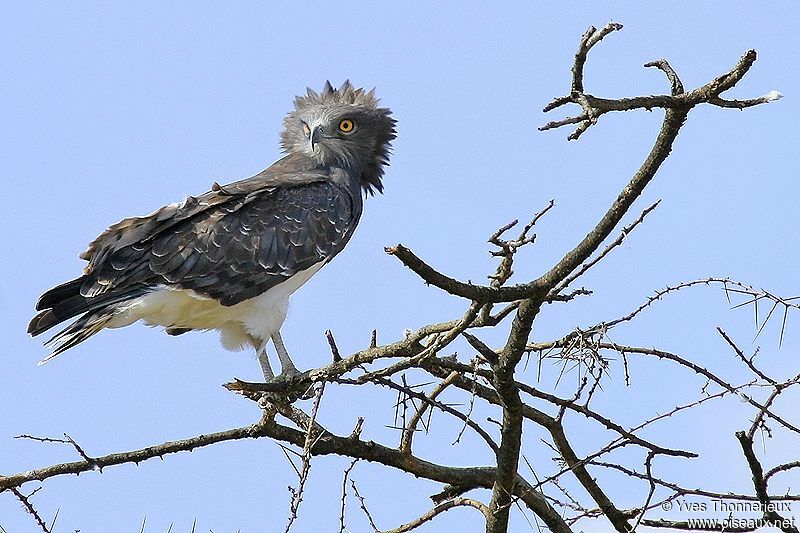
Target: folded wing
(230, 244)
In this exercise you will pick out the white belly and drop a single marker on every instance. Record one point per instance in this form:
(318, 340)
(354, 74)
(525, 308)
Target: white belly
(252, 321)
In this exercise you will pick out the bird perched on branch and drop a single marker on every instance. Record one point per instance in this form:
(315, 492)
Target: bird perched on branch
(229, 259)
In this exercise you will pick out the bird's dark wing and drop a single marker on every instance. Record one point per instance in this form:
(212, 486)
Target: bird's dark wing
(231, 251)
(234, 248)
(287, 171)
(231, 243)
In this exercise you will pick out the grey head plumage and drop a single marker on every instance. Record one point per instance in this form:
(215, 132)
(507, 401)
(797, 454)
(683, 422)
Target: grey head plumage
(342, 127)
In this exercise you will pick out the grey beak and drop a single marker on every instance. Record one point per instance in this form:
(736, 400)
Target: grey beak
(316, 135)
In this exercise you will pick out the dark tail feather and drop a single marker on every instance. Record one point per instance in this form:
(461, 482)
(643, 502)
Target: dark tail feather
(42, 322)
(65, 301)
(65, 309)
(97, 312)
(57, 305)
(58, 294)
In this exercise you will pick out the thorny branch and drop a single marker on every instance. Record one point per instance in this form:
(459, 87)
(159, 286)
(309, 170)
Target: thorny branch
(495, 382)
(305, 467)
(419, 413)
(439, 509)
(345, 477)
(760, 484)
(26, 503)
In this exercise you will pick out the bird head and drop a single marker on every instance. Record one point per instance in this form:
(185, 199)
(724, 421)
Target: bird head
(342, 127)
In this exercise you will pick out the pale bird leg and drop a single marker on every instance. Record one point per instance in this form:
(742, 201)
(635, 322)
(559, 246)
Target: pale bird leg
(287, 366)
(264, 362)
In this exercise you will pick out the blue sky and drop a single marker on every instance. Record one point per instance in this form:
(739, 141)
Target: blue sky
(111, 110)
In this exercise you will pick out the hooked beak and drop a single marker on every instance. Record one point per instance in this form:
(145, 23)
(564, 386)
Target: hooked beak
(316, 135)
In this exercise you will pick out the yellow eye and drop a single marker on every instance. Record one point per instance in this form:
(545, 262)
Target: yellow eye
(306, 129)
(346, 125)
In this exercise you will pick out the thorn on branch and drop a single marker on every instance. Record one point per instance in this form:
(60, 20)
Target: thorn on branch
(730, 286)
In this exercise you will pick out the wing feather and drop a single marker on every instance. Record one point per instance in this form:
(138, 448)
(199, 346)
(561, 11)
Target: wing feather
(231, 244)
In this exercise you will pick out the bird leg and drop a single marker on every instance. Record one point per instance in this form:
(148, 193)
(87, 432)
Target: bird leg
(287, 366)
(264, 362)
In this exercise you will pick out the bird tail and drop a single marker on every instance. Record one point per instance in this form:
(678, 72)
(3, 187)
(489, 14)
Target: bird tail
(77, 332)
(66, 301)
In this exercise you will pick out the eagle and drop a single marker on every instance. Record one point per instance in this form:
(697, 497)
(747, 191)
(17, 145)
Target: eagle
(229, 259)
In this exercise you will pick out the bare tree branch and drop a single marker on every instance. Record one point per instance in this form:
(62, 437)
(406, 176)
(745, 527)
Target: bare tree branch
(411, 427)
(305, 469)
(760, 484)
(439, 509)
(26, 503)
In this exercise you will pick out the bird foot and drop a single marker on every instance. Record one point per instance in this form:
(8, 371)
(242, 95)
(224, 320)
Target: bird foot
(288, 374)
(289, 386)
(293, 381)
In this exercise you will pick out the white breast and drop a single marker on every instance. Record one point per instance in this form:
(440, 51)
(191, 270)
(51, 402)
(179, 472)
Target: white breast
(251, 322)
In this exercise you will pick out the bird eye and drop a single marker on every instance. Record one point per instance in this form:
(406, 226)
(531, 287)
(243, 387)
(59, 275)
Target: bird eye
(306, 129)
(346, 125)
